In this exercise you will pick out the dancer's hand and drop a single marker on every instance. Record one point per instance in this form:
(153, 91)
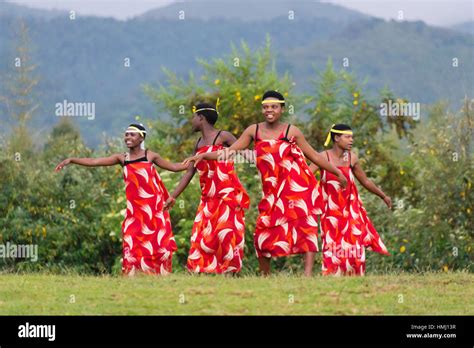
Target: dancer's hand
(388, 201)
(62, 164)
(196, 159)
(342, 180)
(169, 203)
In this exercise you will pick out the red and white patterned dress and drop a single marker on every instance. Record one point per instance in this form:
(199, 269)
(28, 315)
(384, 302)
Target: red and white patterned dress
(217, 240)
(346, 228)
(287, 223)
(148, 242)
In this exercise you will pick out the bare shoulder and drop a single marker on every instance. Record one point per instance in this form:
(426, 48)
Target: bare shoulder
(354, 158)
(250, 130)
(323, 152)
(119, 156)
(151, 155)
(226, 135)
(294, 131)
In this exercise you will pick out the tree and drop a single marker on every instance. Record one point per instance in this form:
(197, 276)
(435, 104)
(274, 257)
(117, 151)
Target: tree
(20, 98)
(237, 80)
(340, 98)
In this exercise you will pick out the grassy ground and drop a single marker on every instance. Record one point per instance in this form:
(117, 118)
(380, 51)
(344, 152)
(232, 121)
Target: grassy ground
(181, 294)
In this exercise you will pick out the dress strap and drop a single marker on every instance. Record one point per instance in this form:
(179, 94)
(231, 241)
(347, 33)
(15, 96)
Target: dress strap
(256, 132)
(286, 134)
(327, 155)
(350, 160)
(287, 130)
(217, 136)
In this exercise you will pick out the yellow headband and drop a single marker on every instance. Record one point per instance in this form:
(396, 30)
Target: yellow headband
(328, 139)
(212, 109)
(133, 129)
(270, 101)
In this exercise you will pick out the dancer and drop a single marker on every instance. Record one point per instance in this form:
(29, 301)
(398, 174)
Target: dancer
(217, 239)
(148, 242)
(346, 228)
(287, 223)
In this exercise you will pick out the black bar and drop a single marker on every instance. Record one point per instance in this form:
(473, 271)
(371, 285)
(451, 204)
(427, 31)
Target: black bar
(347, 331)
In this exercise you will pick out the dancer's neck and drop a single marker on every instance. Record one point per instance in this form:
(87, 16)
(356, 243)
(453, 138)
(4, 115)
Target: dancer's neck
(339, 152)
(208, 131)
(135, 151)
(273, 125)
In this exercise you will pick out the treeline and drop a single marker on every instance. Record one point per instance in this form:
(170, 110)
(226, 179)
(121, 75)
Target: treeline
(76, 58)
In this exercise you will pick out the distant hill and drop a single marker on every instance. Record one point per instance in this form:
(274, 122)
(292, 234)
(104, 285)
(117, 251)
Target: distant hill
(247, 10)
(82, 60)
(412, 58)
(8, 9)
(466, 27)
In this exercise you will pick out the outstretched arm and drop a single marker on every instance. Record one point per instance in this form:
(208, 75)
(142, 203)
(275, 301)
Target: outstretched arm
(164, 164)
(229, 140)
(240, 144)
(367, 183)
(183, 183)
(91, 162)
(315, 157)
(245, 139)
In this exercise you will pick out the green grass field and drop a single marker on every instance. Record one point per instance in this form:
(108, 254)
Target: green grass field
(182, 294)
